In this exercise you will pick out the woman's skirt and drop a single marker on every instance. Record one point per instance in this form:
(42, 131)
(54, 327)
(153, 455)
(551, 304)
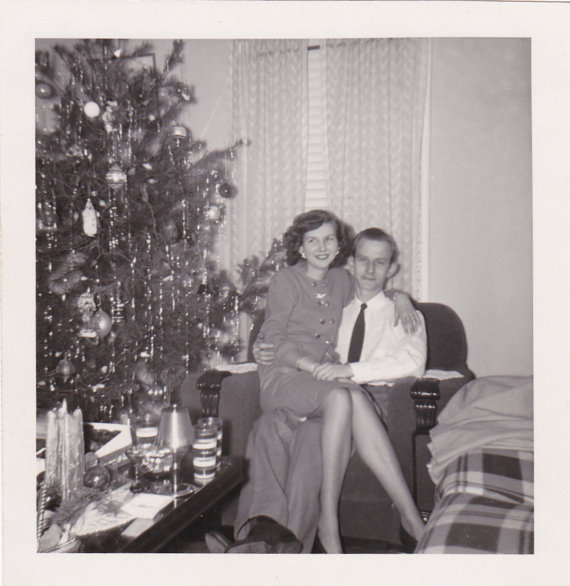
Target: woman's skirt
(288, 388)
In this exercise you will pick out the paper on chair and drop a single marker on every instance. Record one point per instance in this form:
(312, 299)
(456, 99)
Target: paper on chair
(238, 368)
(442, 374)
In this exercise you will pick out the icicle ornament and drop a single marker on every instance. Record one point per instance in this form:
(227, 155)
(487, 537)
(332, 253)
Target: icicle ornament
(89, 216)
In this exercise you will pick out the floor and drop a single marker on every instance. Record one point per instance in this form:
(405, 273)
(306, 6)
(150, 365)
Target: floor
(194, 543)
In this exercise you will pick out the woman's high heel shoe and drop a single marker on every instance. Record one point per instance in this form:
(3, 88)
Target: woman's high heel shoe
(408, 541)
(318, 546)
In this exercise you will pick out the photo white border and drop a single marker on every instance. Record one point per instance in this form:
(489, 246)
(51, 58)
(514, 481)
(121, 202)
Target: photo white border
(545, 23)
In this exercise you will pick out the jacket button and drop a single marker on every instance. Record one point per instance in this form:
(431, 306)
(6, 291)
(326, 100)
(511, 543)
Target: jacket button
(317, 335)
(322, 320)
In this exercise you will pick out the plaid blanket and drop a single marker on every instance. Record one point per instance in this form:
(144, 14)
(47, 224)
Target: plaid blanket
(485, 504)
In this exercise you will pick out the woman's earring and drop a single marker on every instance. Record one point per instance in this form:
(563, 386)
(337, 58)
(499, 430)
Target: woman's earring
(303, 255)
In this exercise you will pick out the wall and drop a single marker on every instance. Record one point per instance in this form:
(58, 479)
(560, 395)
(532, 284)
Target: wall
(206, 66)
(480, 197)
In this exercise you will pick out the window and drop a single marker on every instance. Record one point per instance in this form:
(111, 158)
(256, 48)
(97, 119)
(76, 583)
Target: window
(316, 194)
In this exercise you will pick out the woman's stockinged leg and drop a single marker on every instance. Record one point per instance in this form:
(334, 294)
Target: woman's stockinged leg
(376, 450)
(336, 412)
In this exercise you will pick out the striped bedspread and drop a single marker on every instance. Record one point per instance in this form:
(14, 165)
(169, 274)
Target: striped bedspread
(485, 504)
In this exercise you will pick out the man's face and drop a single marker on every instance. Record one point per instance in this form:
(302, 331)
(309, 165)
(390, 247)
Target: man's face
(372, 267)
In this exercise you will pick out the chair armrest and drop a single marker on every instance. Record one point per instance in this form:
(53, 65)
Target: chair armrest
(209, 384)
(238, 397)
(425, 394)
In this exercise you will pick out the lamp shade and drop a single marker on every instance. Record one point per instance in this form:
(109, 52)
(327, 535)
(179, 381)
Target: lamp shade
(175, 430)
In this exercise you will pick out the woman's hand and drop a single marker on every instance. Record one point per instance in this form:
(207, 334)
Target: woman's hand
(328, 371)
(263, 352)
(406, 313)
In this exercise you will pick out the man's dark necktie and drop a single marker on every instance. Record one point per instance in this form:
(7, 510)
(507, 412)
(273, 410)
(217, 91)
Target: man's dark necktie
(357, 338)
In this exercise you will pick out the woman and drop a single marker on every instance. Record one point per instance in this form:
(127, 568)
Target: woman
(304, 309)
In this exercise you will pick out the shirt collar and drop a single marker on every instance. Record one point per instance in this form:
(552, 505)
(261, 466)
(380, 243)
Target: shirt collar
(377, 301)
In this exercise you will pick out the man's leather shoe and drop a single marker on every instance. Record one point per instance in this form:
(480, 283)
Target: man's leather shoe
(266, 536)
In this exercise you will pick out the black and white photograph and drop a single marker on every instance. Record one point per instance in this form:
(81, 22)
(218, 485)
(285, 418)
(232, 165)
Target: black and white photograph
(287, 289)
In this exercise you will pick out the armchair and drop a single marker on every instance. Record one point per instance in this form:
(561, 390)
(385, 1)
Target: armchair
(366, 511)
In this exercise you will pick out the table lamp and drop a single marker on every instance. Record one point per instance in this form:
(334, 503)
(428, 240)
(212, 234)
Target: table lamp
(176, 432)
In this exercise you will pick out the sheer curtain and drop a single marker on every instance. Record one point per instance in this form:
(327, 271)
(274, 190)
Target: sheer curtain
(269, 81)
(375, 105)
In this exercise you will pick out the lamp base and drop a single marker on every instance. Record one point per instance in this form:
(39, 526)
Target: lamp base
(183, 489)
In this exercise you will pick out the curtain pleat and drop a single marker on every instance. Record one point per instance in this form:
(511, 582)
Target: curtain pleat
(376, 91)
(268, 93)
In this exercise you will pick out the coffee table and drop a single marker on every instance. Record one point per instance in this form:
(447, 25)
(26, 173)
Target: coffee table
(147, 536)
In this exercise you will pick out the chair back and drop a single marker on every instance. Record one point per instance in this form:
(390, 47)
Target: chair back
(447, 344)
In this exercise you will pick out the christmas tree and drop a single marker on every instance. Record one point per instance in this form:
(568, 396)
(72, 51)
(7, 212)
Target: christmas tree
(128, 206)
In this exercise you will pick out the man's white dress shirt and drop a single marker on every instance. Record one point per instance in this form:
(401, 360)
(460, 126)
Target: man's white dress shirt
(388, 353)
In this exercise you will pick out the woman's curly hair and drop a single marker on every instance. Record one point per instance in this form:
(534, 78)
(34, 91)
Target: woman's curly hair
(309, 221)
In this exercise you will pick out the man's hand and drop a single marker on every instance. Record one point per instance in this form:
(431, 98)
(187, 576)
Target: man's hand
(263, 352)
(329, 371)
(405, 312)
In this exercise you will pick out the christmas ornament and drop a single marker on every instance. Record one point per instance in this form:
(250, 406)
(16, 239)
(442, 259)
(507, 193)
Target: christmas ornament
(187, 282)
(179, 132)
(226, 190)
(66, 283)
(186, 94)
(46, 219)
(86, 306)
(109, 116)
(44, 90)
(102, 323)
(170, 231)
(116, 177)
(91, 460)
(91, 109)
(143, 374)
(89, 216)
(65, 369)
(97, 477)
(214, 213)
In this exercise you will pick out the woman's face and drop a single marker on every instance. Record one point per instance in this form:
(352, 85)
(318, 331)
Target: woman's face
(320, 246)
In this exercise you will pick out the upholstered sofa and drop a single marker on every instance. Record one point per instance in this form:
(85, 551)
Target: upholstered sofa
(413, 404)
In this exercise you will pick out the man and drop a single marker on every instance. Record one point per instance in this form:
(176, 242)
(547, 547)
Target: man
(279, 506)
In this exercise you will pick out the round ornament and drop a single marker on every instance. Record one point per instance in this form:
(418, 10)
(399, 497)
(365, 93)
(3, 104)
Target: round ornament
(97, 477)
(91, 460)
(116, 177)
(226, 190)
(102, 323)
(65, 369)
(44, 90)
(91, 109)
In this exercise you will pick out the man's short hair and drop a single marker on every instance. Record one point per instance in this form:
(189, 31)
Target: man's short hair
(377, 235)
